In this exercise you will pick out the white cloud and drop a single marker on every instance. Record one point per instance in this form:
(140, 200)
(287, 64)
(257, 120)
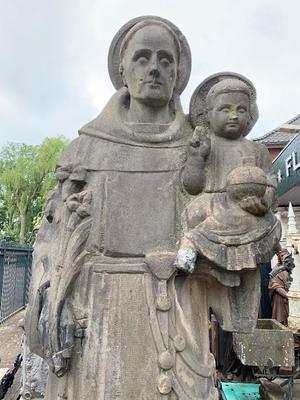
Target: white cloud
(8, 105)
(54, 57)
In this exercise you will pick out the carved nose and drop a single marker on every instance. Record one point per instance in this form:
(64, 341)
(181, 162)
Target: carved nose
(233, 115)
(154, 71)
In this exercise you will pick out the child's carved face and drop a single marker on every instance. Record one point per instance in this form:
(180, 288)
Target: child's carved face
(229, 114)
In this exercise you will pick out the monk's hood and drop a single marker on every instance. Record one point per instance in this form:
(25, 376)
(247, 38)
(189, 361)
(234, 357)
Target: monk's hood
(110, 125)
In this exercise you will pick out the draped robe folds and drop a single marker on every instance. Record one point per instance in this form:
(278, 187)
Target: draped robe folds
(220, 229)
(145, 325)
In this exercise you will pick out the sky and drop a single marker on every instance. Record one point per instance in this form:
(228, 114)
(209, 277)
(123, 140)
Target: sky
(53, 69)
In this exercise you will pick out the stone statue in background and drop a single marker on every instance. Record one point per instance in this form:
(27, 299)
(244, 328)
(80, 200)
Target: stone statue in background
(111, 310)
(279, 284)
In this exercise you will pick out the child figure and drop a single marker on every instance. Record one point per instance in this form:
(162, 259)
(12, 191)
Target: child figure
(230, 221)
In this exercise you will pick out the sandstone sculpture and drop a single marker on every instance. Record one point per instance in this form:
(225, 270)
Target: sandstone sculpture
(231, 222)
(111, 310)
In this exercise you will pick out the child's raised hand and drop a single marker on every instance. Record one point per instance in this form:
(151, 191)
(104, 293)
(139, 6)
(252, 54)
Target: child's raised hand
(200, 143)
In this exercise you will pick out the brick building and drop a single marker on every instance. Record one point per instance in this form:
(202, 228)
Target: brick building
(283, 144)
(278, 138)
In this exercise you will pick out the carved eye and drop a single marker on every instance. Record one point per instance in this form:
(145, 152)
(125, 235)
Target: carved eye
(225, 110)
(242, 110)
(164, 62)
(142, 60)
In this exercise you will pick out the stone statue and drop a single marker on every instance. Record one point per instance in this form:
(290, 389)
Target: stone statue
(110, 309)
(279, 284)
(231, 222)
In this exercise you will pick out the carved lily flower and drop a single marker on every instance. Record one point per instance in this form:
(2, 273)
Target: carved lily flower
(73, 202)
(84, 209)
(79, 174)
(80, 203)
(63, 173)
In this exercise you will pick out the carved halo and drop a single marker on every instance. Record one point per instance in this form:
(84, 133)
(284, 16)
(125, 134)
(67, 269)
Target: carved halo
(198, 103)
(184, 67)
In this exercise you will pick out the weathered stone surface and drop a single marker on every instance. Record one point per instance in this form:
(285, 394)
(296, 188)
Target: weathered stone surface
(270, 345)
(111, 310)
(34, 375)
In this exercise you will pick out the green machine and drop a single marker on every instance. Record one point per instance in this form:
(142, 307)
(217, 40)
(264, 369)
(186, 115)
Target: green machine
(240, 391)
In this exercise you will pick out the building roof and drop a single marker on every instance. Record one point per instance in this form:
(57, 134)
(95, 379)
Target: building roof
(282, 135)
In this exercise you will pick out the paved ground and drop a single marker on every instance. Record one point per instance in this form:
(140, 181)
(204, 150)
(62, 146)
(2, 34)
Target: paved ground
(10, 340)
(10, 347)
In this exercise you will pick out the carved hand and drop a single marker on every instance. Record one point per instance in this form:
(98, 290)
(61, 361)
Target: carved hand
(254, 205)
(199, 144)
(193, 176)
(186, 257)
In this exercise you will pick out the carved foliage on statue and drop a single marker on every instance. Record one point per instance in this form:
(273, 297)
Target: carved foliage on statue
(69, 205)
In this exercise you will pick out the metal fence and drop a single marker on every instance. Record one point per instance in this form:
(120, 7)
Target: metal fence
(15, 273)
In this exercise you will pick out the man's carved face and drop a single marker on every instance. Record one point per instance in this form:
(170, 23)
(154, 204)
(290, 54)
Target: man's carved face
(229, 115)
(150, 66)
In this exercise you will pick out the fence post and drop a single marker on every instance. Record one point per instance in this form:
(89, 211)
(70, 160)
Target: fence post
(2, 256)
(27, 274)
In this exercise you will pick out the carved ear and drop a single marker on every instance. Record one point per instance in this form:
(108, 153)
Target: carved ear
(121, 70)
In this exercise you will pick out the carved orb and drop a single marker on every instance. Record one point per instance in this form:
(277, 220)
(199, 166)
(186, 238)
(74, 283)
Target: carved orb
(246, 181)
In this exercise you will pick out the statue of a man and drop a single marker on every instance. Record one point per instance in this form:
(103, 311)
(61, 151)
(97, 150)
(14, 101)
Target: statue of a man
(109, 310)
(108, 240)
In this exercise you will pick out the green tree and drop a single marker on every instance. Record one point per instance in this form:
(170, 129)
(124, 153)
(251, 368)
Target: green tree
(26, 176)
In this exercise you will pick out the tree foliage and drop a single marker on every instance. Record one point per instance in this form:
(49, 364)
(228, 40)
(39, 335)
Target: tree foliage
(26, 176)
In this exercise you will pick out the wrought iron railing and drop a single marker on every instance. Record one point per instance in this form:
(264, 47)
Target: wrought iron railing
(15, 273)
